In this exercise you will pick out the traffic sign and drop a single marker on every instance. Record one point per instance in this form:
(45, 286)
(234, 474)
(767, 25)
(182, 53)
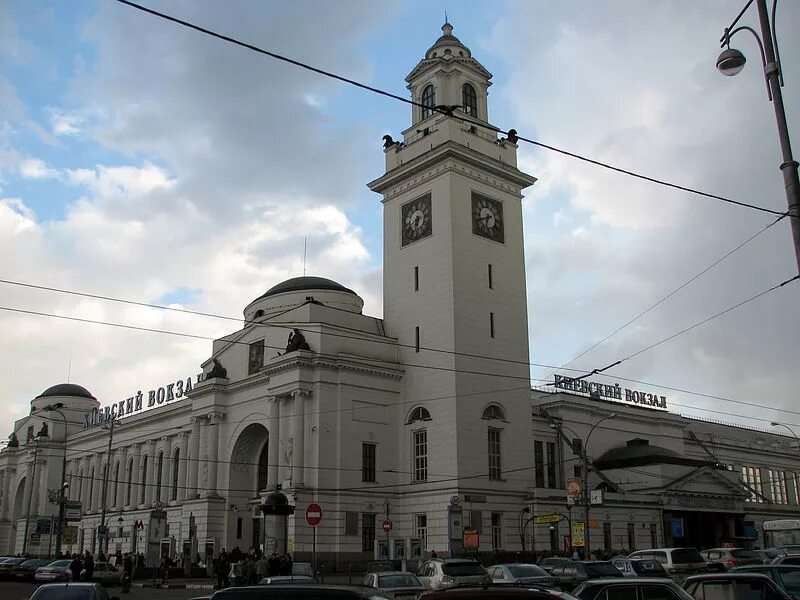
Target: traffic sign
(387, 525)
(541, 519)
(313, 514)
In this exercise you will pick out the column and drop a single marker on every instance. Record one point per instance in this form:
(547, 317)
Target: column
(150, 482)
(6, 511)
(166, 470)
(214, 420)
(40, 500)
(119, 499)
(183, 445)
(274, 443)
(298, 453)
(26, 495)
(87, 483)
(133, 476)
(202, 465)
(3, 494)
(193, 467)
(97, 488)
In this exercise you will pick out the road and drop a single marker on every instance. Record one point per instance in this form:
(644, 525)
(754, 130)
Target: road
(12, 590)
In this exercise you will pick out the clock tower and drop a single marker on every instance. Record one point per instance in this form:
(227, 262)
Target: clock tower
(454, 282)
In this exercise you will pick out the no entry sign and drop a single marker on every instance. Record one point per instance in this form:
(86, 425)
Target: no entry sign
(313, 514)
(387, 525)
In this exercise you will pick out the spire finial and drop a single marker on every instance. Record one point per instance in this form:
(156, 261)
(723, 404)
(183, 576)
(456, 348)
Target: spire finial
(447, 29)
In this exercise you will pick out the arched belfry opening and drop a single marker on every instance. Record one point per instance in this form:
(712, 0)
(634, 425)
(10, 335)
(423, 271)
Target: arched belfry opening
(247, 484)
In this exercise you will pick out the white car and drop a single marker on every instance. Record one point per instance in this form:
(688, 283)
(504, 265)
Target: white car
(104, 573)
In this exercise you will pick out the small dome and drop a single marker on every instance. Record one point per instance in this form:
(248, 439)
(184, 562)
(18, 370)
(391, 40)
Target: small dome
(448, 44)
(639, 453)
(297, 284)
(66, 389)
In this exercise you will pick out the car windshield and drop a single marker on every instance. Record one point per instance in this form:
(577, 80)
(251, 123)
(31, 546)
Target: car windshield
(686, 555)
(647, 566)
(399, 580)
(601, 570)
(743, 553)
(527, 571)
(462, 569)
(59, 563)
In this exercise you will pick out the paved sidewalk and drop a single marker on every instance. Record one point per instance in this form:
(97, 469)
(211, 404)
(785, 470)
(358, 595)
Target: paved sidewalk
(211, 584)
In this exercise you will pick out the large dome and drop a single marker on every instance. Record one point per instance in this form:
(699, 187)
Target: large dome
(66, 389)
(296, 284)
(639, 453)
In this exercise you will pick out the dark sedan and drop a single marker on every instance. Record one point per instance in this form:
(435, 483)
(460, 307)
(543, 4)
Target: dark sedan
(25, 571)
(570, 574)
(734, 585)
(7, 566)
(625, 588)
(520, 574)
(787, 577)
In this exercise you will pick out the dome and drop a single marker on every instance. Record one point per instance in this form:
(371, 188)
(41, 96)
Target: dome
(297, 284)
(449, 42)
(66, 389)
(638, 453)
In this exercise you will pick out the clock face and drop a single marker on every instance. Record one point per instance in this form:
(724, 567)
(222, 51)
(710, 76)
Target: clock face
(487, 218)
(415, 220)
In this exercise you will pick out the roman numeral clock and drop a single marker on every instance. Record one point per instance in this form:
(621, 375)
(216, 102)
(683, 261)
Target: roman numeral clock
(415, 220)
(487, 218)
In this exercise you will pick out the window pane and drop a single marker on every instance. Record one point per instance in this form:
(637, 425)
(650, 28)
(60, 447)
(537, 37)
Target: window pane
(538, 461)
(494, 454)
(368, 454)
(656, 592)
(621, 592)
(421, 455)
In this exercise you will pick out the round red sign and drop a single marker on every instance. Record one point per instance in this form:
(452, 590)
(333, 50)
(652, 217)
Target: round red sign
(387, 525)
(313, 514)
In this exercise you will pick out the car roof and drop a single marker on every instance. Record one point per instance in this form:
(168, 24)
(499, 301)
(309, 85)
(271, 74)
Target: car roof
(779, 566)
(496, 591)
(514, 565)
(64, 584)
(275, 589)
(392, 573)
(726, 575)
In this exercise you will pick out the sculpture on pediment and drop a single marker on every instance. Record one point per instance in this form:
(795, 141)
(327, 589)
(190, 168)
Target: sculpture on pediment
(297, 341)
(13, 442)
(217, 370)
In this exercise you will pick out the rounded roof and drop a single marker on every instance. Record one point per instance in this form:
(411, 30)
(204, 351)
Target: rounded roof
(67, 389)
(297, 284)
(447, 39)
(638, 453)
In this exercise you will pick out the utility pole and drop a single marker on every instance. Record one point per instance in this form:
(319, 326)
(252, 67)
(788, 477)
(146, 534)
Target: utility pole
(104, 527)
(586, 502)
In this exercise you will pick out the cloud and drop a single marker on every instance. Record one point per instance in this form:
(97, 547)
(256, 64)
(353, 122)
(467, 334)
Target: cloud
(64, 124)
(34, 168)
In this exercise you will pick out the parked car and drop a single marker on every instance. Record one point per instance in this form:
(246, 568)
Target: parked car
(553, 561)
(731, 557)
(496, 592)
(733, 586)
(104, 573)
(787, 577)
(316, 591)
(397, 583)
(71, 591)
(645, 588)
(636, 567)
(381, 566)
(767, 555)
(286, 579)
(438, 573)
(520, 574)
(790, 549)
(55, 571)
(786, 559)
(674, 560)
(570, 574)
(7, 566)
(25, 570)
(304, 568)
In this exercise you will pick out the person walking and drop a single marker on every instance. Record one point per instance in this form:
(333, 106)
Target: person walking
(262, 568)
(88, 566)
(75, 567)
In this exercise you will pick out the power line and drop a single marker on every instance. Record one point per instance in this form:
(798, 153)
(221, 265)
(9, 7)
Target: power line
(672, 293)
(446, 111)
(681, 332)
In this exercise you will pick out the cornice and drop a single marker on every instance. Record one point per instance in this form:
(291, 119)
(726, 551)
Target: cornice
(311, 360)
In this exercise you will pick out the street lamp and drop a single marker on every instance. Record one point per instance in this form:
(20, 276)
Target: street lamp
(39, 436)
(56, 408)
(794, 435)
(103, 524)
(520, 528)
(731, 62)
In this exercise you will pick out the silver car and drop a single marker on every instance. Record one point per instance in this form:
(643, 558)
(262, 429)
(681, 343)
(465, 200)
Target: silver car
(397, 583)
(631, 567)
(104, 573)
(439, 573)
(520, 574)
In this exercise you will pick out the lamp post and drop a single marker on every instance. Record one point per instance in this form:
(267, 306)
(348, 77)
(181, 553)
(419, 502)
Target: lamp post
(103, 525)
(731, 62)
(794, 435)
(520, 527)
(42, 434)
(63, 485)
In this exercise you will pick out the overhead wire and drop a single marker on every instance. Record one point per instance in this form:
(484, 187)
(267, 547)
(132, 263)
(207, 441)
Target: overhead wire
(440, 110)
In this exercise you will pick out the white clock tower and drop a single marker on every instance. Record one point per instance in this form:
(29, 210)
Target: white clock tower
(454, 282)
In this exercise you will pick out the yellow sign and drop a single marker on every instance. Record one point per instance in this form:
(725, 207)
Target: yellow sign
(542, 519)
(578, 535)
(593, 522)
(70, 535)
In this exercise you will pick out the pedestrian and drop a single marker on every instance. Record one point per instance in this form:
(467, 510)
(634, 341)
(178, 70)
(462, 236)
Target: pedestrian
(166, 563)
(101, 557)
(75, 567)
(274, 564)
(250, 570)
(262, 568)
(88, 566)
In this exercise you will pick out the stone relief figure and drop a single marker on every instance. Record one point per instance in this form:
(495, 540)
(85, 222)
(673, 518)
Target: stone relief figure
(13, 442)
(297, 341)
(217, 370)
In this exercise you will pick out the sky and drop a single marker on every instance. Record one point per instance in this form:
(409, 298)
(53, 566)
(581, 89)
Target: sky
(143, 161)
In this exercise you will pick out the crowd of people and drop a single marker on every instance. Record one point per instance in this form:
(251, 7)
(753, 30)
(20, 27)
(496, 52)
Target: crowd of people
(249, 568)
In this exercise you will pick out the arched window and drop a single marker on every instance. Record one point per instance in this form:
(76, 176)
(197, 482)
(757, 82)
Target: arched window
(143, 480)
(470, 100)
(116, 484)
(263, 468)
(419, 414)
(428, 101)
(129, 486)
(494, 412)
(176, 461)
(159, 478)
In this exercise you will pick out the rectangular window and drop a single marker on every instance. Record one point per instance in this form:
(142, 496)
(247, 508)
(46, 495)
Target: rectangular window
(367, 532)
(653, 536)
(777, 486)
(490, 278)
(751, 478)
(554, 546)
(255, 357)
(421, 529)
(551, 465)
(538, 461)
(497, 531)
(796, 487)
(416, 339)
(631, 536)
(239, 528)
(421, 455)
(577, 471)
(416, 279)
(495, 470)
(577, 446)
(351, 523)
(608, 544)
(368, 452)
(474, 520)
(491, 324)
